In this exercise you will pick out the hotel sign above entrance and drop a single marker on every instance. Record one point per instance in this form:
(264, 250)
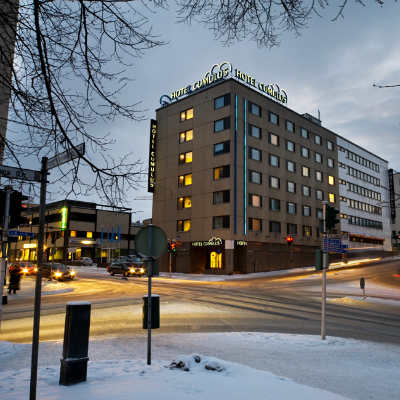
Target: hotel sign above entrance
(222, 71)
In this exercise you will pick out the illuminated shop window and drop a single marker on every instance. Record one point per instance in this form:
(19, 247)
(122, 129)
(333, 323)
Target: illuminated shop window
(188, 114)
(185, 202)
(185, 180)
(184, 225)
(186, 158)
(89, 234)
(186, 136)
(73, 233)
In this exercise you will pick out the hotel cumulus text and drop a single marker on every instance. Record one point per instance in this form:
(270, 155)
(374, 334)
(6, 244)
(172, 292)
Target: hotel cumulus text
(152, 156)
(222, 71)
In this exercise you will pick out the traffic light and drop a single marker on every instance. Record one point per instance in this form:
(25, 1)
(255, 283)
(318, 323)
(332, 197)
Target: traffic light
(16, 208)
(173, 246)
(289, 240)
(55, 236)
(168, 247)
(330, 219)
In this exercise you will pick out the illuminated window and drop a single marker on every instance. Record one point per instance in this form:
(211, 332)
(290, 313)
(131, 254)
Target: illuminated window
(185, 202)
(274, 182)
(331, 198)
(305, 171)
(185, 158)
(184, 225)
(73, 234)
(188, 114)
(255, 224)
(186, 136)
(221, 172)
(307, 231)
(273, 139)
(331, 180)
(255, 200)
(89, 234)
(185, 180)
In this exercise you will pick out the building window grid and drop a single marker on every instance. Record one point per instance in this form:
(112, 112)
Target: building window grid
(364, 222)
(290, 166)
(255, 200)
(364, 191)
(221, 222)
(363, 176)
(273, 160)
(361, 160)
(222, 124)
(359, 205)
(222, 172)
(290, 146)
(222, 101)
(290, 187)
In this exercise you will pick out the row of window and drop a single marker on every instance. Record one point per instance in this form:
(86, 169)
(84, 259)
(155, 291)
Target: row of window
(360, 160)
(359, 205)
(364, 222)
(254, 224)
(363, 176)
(364, 191)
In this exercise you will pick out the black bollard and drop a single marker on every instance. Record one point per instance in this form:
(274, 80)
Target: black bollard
(76, 343)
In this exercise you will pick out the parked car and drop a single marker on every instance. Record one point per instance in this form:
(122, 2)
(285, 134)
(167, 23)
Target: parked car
(86, 261)
(27, 268)
(57, 271)
(126, 269)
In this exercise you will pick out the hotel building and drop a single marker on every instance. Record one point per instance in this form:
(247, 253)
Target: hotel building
(234, 173)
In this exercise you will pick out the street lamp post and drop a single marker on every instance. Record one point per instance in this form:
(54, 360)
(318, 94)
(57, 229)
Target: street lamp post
(170, 224)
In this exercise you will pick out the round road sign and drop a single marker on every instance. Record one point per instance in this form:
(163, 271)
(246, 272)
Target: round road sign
(157, 238)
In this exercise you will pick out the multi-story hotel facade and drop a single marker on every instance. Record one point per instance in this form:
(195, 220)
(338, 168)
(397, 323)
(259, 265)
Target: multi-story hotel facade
(235, 173)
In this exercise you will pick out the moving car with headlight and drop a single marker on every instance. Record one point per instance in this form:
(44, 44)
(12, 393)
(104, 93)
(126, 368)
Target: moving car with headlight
(57, 271)
(126, 269)
(26, 267)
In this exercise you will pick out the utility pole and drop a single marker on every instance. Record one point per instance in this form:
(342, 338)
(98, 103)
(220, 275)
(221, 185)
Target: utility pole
(324, 267)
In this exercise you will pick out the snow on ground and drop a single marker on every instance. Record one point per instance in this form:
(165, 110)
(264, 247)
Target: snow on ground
(248, 365)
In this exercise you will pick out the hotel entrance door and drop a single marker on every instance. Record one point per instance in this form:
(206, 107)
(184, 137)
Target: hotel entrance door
(215, 260)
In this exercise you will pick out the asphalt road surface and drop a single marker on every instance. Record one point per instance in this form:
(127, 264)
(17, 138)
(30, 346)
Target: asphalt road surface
(290, 303)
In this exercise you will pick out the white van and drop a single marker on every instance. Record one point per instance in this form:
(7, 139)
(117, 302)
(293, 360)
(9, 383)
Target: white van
(86, 261)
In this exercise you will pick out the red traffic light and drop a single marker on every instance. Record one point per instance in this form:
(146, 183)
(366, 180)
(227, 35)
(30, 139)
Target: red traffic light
(289, 239)
(173, 246)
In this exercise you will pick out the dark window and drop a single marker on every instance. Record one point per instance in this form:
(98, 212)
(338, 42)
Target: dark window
(222, 124)
(290, 187)
(306, 191)
(319, 194)
(255, 224)
(291, 208)
(255, 109)
(274, 204)
(307, 211)
(290, 126)
(254, 154)
(291, 229)
(255, 131)
(255, 177)
(318, 139)
(274, 227)
(223, 196)
(222, 172)
(273, 118)
(330, 162)
(273, 160)
(329, 145)
(318, 157)
(221, 148)
(221, 222)
(222, 101)
(305, 152)
(290, 146)
(304, 133)
(290, 166)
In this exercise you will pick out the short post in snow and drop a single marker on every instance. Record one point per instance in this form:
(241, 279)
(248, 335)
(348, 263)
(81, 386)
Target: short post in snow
(362, 286)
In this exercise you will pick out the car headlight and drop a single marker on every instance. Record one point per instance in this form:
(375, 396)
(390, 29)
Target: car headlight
(58, 274)
(142, 270)
(25, 270)
(132, 270)
(72, 272)
(35, 269)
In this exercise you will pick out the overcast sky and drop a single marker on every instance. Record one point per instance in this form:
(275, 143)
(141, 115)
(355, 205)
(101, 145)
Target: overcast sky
(331, 68)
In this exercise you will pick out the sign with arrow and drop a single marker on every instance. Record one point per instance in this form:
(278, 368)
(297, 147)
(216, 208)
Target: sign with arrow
(20, 233)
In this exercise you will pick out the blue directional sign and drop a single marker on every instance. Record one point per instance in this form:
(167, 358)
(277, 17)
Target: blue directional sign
(338, 248)
(20, 233)
(332, 241)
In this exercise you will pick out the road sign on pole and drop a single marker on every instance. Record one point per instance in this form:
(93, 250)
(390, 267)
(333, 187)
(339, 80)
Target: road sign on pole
(66, 156)
(18, 173)
(20, 233)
